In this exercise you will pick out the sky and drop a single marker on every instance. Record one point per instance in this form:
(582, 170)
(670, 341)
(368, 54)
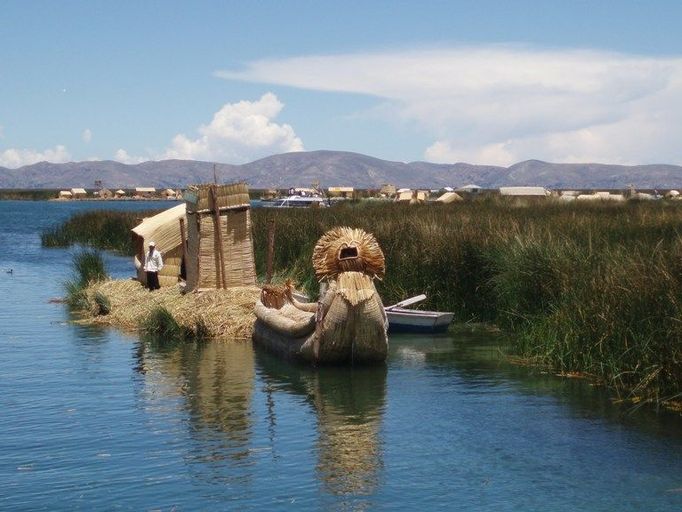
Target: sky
(483, 82)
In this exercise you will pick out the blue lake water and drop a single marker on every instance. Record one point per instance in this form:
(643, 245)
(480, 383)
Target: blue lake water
(94, 419)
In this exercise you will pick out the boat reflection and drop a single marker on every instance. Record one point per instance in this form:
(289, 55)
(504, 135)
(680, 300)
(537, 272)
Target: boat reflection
(349, 405)
(216, 381)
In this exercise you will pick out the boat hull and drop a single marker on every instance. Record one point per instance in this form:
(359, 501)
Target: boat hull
(414, 321)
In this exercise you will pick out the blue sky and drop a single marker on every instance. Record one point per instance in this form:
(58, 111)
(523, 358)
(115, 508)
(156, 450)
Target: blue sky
(489, 82)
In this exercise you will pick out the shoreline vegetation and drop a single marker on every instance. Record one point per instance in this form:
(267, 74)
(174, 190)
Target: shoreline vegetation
(585, 289)
(166, 313)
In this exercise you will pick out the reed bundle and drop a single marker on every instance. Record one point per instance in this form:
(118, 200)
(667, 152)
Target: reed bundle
(344, 249)
(219, 314)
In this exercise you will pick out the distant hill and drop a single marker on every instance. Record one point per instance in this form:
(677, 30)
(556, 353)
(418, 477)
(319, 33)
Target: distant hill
(338, 168)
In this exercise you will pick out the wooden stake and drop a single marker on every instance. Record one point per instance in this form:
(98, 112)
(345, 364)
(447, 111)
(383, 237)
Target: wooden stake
(183, 240)
(271, 250)
(220, 272)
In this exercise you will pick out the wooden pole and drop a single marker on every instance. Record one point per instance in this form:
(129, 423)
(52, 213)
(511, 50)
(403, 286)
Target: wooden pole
(182, 243)
(271, 250)
(220, 270)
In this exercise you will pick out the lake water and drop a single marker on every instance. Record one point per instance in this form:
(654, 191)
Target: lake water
(94, 419)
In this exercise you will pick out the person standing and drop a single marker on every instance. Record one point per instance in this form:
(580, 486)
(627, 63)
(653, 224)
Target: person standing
(153, 263)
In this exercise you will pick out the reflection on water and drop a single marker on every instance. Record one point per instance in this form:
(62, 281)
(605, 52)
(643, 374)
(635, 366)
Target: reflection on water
(479, 355)
(348, 403)
(94, 419)
(215, 381)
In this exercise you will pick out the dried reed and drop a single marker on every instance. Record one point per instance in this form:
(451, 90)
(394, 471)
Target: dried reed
(218, 314)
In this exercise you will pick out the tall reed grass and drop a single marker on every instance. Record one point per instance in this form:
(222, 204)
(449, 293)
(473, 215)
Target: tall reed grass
(88, 267)
(591, 288)
(27, 194)
(102, 229)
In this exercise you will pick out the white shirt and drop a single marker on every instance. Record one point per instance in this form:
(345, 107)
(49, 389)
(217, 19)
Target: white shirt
(153, 261)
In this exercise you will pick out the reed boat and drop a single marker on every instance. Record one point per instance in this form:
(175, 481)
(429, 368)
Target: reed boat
(348, 324)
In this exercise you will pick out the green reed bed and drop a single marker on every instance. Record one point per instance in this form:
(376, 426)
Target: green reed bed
(88, 268)
(27, 194)
(102, 229)
(588, 288)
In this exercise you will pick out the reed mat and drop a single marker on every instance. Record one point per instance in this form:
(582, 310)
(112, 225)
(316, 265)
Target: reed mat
(216, 314)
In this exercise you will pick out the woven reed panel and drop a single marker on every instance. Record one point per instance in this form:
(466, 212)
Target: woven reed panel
(240, 268)
(227, 197)
(171, 268)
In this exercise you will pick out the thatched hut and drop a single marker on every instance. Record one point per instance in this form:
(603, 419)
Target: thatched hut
(219, 243)
(167, 229)
(169, 193)
(144, 192)
(65, 194)
(387, 190)
(269, 194)
(120, 193)
(345, 192)
(411, 196)
(524, 191)
(78, 193)
(449, 197)
(104, 193)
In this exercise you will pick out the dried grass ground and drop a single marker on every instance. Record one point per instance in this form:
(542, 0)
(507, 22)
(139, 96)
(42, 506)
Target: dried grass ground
(225, 314)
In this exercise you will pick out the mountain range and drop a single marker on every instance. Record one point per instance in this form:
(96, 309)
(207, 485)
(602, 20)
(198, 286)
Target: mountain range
(339, 168)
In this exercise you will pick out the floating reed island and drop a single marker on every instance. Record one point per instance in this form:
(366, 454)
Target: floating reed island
(208, 281)
(586, 287)
(211, 314)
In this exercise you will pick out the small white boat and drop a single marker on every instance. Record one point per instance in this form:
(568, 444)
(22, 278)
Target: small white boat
(410, 320)
(401, 319)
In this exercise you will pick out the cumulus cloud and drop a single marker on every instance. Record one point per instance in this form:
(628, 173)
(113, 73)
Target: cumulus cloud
(123, 157)
(14, 158)
(501, 104)
(239, 132)
(86, 135)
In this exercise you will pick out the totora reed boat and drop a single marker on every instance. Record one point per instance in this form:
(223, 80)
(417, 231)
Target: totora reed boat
(348, 325)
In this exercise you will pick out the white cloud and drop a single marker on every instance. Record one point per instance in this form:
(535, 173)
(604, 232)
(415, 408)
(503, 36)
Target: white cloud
(123, 157)
(501, 104)
(13, 158)
(239, 132)
(86, 135)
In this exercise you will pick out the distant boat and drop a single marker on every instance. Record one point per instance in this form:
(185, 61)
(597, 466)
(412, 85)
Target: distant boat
(296, 201)
(401, 319)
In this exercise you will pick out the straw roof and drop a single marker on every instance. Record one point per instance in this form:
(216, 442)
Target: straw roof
(65, 193)
(449, 197)
(524, 191)
(163, 228)
(329, 260)
(78, 191)
(145, 189)
(120, 192)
